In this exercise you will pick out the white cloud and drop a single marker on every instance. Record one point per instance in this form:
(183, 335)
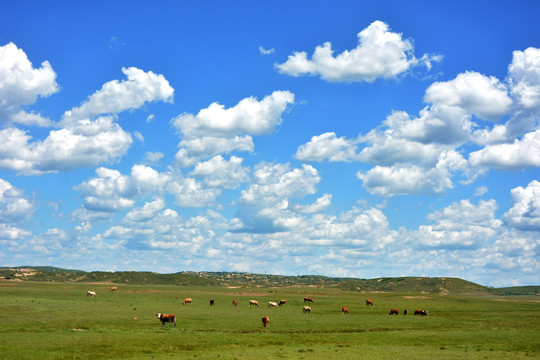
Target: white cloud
(15, 207)
(486, 97)
(327, 147)
(147, 212)
(111, 191)
(520, 154)
(82, 141)
(406, 179)
(220, 173)
(192, 151)
(321, 204)
(21, 83)
(460, 225)
(249, 116)
(524, 73)
(117, 96)
(263, 206)
(84, 144)
(380, 54)
(264, 51)
(217, 130)
(525, 211)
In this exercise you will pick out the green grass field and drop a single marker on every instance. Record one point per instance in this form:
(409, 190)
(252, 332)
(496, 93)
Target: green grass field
(58, 321)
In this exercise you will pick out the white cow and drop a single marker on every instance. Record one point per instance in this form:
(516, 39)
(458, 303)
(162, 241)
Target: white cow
(91, 293)
(306, 309)
(272, 304)
(254, 303)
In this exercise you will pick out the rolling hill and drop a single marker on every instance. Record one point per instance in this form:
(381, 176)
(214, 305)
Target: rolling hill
(427, 285)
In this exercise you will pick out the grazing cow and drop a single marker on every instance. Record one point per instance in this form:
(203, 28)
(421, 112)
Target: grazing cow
(272, 304)
(114, 288)
(306, 309)
(369, 302)
(254, 303)
(344, 310)
(212, 302)
(308, 299)
(91, 293)
(421, 312)
(186, 301)
(167, 318)
(405, 312)
(394, 312)
(235, 303)
(282, 302)
(265, 321)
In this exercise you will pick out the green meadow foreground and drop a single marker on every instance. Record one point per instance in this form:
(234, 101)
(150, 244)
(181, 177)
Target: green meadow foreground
(59, 321)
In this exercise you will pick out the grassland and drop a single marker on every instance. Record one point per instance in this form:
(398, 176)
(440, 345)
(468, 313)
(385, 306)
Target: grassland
(44, 320)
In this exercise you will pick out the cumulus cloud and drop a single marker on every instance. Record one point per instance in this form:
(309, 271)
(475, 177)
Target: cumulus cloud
(15, 207)
(524, 153)
(485, 97)
(264, 205)
(380, 54)
(524, 72)
(21, 83)
(406, 179)
(460, 225)
(525, 211)
(117, 96)
(112, 191)
(15, 210)
(80, 139)
(329, 147)
(218, 130)
(220, 173)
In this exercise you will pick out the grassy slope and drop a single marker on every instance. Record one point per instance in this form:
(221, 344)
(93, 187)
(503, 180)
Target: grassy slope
(41, 320)
(443, 286)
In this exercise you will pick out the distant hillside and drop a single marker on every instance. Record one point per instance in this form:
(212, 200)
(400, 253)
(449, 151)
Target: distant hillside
(442, 286)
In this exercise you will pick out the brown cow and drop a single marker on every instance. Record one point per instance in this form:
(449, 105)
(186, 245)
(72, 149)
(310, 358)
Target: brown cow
(394, 312)
(114, 288)
(235, 302)
(212, 302)
(186, 301)
(344, 310)
(421, 312)
(369, 302)
(405, 312)
(282, 302)
(308, 299)
(265, 321)
(167, 318)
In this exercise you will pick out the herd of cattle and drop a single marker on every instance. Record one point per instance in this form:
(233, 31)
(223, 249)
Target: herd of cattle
(171, 318)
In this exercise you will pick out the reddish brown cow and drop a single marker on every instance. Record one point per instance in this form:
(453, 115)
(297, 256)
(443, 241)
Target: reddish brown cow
(114, 288)
(394, 312)
(265, 321)
(344, 310)
(212, 302)
(282, 302)
(421, 312)
(186, 301)
(167, 318)
(369, 302)
(308, 299)
(235, 302)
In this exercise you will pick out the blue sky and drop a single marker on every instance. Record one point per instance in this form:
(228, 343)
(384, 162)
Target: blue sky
(341, 139)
